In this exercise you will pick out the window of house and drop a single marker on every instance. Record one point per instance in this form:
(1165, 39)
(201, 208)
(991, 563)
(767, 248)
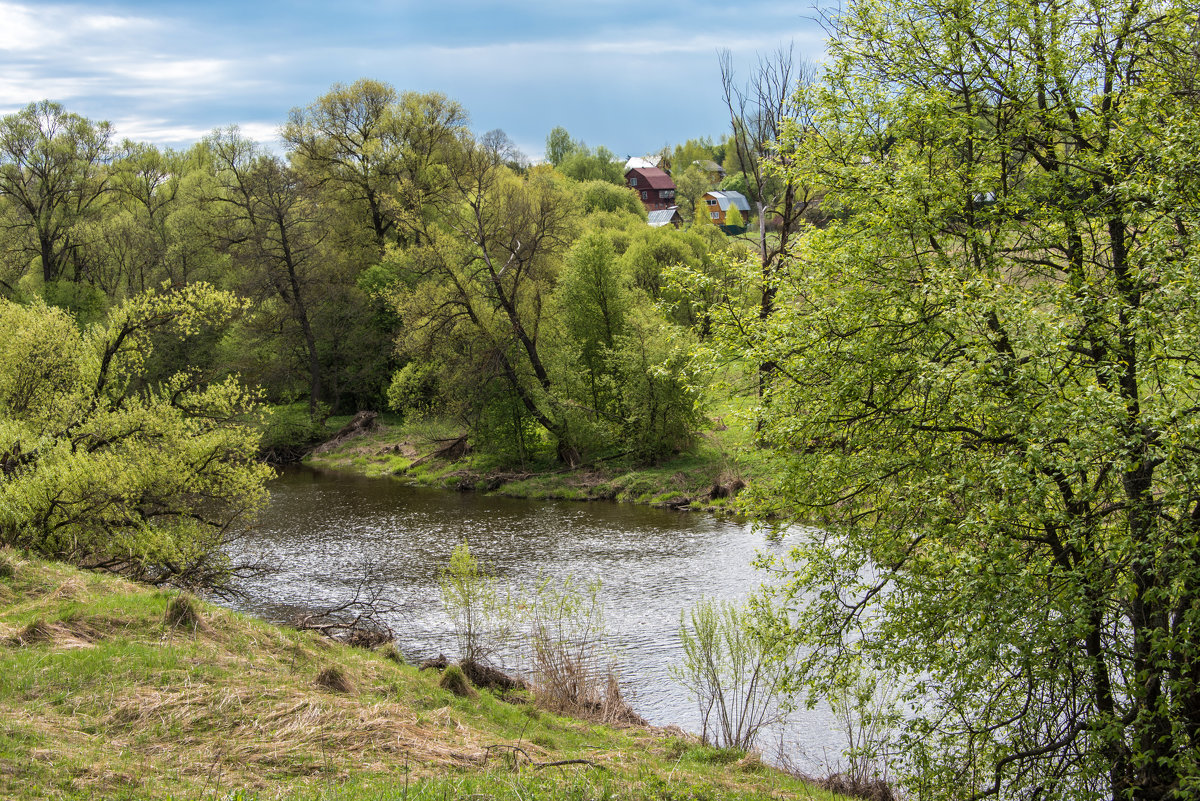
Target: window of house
(644, 195)
(710, 201)
(716, 215)
(633, 180)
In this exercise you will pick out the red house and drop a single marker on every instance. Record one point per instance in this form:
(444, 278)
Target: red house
(654, 187)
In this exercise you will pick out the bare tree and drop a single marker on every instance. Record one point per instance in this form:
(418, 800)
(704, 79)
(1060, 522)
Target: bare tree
(758, 110)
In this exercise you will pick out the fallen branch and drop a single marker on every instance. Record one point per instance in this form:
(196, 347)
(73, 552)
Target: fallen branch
(516, 749)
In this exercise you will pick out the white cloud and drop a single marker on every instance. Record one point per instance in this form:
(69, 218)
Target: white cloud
(41, 29)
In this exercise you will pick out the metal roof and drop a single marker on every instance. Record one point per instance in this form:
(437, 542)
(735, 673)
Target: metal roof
(661, 217)
(726, 196)
(640, 162)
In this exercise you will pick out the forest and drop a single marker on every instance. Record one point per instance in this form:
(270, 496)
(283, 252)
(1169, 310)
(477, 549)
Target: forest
(388, 257)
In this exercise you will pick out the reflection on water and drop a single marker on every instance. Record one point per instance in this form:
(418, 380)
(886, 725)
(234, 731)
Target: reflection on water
(325, 531)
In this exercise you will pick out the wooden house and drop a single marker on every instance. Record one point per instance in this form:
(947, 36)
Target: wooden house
(719, 202)
(654, 187)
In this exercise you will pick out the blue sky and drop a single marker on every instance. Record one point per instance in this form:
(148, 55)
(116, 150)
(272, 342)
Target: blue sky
(629, 75)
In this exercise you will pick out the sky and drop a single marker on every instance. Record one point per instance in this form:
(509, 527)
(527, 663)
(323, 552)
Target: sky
(632, 76)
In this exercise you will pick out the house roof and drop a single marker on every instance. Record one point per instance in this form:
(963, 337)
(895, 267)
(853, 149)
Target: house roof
(708, 165)
(725, 197)
(640, 162)
(654, 178)
(661, 217)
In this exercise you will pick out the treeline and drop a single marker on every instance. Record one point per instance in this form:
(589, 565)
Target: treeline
(389, 257)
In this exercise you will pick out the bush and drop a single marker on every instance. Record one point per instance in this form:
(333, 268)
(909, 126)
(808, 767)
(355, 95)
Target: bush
(471, 598)
(736, 679)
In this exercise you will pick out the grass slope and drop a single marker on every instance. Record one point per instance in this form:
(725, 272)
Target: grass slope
(103, 696)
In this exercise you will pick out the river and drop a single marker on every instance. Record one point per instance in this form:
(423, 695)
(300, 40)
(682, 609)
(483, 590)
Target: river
(325, 530)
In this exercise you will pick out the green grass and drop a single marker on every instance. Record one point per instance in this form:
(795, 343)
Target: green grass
(724, 453)
(104, 699)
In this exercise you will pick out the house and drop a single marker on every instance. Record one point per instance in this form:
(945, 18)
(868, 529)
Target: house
(719, 202)
(714, 171)
(641, 162)
(654, 187)
(661, 217)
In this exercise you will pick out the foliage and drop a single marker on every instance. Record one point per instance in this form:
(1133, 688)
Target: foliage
(100, 468)
(605, 196)
(52, 176)
(736, 680)
(690, 186)
(559, 145)
(656, 389)
(585, 164)
(570, 668)
(472, 599)
(987, 394)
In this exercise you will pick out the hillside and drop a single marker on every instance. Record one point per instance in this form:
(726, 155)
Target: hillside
(103, 696)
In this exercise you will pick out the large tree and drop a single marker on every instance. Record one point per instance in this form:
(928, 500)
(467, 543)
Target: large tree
(490, 258)
(372, 144)
(53, 171)
(990, 392)
(266, 216)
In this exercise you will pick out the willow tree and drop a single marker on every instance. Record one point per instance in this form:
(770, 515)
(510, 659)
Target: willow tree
(373, 145)
(101, 466)
(990, 391)
(53, 172)
(477, 287)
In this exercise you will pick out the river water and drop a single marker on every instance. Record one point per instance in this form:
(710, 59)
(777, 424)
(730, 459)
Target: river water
(325, 530)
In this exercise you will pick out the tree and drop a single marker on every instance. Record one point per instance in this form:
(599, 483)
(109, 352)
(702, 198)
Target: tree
(100, 466)
(372, 144)
(559, 145)
(988, 396)
(757, 112)
(691, 185)
(267, 218)
(605, 196)
(490, 255)
(733, 217)
(52, 172)
(585, 164)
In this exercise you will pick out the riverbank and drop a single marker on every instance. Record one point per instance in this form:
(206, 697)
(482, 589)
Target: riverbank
(436, 454)
(116, 690)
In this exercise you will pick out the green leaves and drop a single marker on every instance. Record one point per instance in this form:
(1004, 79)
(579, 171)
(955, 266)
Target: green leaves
(102, 469)
(987, 392)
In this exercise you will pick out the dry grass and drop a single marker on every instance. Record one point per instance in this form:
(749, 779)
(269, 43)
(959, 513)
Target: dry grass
(106, 693)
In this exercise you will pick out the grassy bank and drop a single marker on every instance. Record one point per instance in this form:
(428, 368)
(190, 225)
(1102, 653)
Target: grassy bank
(709, 476)
(112, 690)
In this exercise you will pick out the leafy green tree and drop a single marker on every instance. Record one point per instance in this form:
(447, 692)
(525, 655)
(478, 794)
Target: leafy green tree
(371, 144)
(52, 176)
(605, 196)
(690, 186)
(585, 164)
(687, 154)
(474, 297)
(733, 217)
(988, 396)
(559, 145)
(266, 216)
(593, 305)
(100, 467)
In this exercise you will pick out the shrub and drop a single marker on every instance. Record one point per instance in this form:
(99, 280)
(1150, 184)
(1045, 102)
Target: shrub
(735, 678)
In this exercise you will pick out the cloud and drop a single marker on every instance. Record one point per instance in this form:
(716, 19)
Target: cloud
(614, 71)
(42, 29)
